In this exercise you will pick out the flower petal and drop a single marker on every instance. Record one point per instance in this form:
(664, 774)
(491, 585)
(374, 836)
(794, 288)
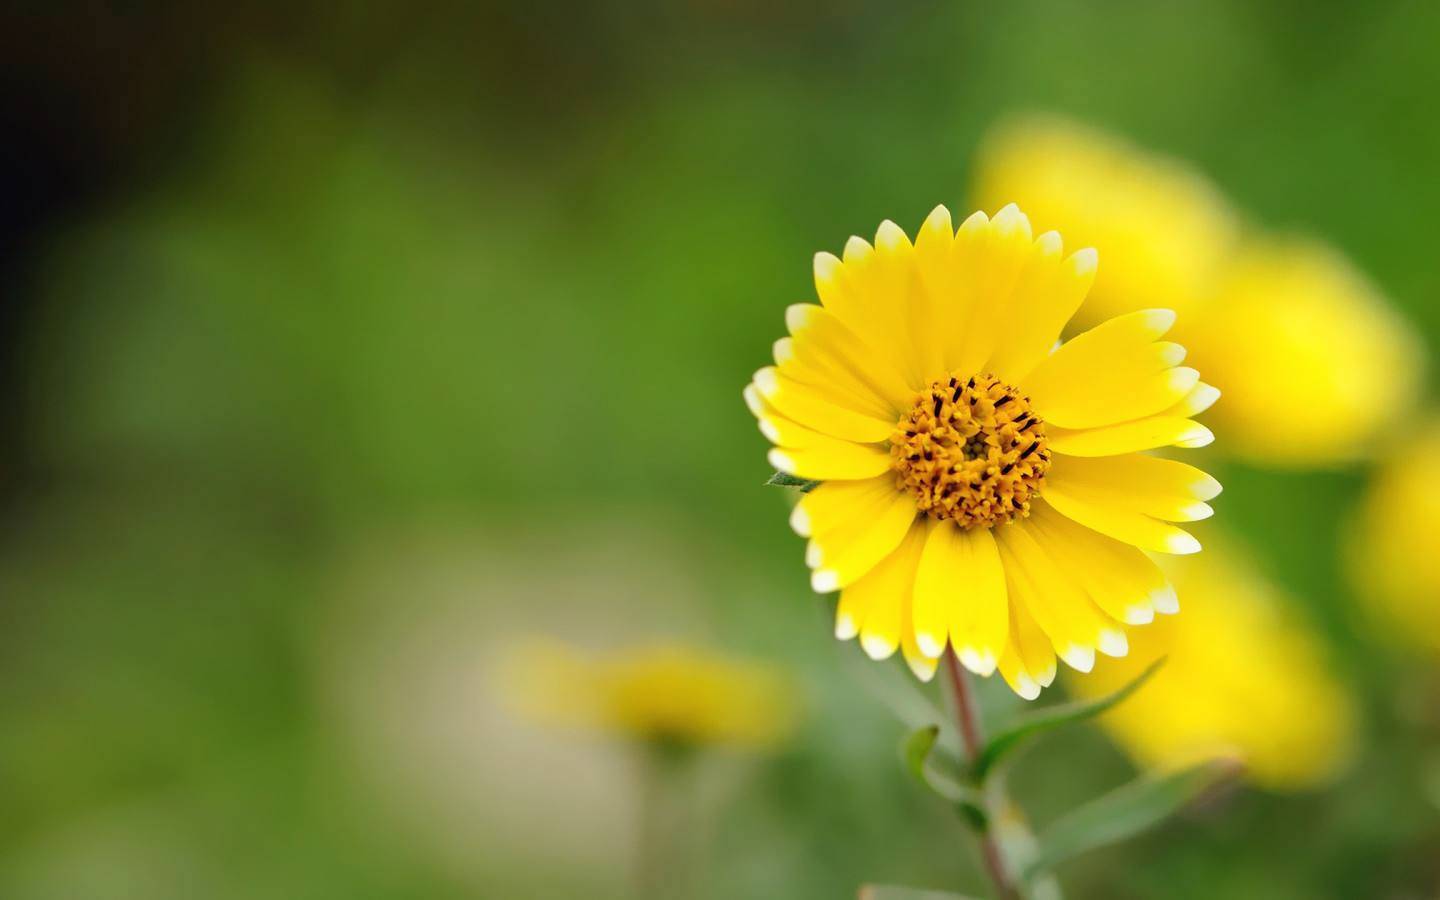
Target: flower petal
(1133, 528)
(1112, 373)
(990, 259)
(842, 556)
(1075, 626)
(824, 342)
(817, 410)
(872, 606)
(960, 591)
(834, 503)
(1120, 579)
(1047, 296)
(1129, 437)
(1160, 488)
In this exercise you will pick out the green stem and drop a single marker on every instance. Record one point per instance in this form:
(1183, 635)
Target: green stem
(967, 715)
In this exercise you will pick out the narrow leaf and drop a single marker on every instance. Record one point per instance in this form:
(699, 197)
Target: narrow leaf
(935, 768)
(780, 479)
(1126, 812)
(916, 749)
(896, 892)
(1006, 742)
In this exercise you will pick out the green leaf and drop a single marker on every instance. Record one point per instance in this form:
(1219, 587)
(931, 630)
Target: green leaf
(937, 771)
(780, 479)
(896, 892)
(1008, 741)
(1126, 812)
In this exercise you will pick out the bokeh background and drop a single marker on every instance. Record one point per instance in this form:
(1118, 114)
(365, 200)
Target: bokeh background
(345, 345)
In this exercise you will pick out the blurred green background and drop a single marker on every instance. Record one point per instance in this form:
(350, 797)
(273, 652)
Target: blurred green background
(346, 342)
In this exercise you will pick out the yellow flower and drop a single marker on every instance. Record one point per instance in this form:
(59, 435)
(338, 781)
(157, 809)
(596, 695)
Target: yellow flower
(1281, 326)
(1161, 227)
(1241, 678)
(1395, 566)
(980, 490)
(668, 693)
(1287, 336)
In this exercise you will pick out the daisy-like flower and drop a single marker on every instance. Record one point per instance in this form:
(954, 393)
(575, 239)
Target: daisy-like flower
(669, 693)
(982, 489)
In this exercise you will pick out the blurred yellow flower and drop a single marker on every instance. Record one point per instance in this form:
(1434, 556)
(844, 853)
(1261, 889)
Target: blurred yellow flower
(1395, 565)
(1162, 229)
(1242, 678)
(668, 693)
(1283, 327)
(1287, 336)
(982, 489)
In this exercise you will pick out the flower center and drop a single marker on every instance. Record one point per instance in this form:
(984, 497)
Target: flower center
(971, 451)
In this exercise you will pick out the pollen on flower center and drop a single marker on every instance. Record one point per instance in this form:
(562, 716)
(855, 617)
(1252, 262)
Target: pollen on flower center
(971, 450)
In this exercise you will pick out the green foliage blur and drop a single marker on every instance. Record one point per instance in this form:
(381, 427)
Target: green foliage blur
(398, 336)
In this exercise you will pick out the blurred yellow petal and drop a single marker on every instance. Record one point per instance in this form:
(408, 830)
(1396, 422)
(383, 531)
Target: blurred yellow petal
(1392, 559)
(1313, 363)
(1243, 677)
(1161, 229)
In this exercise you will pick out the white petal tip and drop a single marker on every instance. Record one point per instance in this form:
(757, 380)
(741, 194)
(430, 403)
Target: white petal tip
(856, 248)
(1165, 601)
(1159, 321)
(1139, 614)
(826, 265)
(890, 236)
(876, 647)
(1198, 436)
(800, 520)
(938, 220)
(975, 220)
(1114, 643)
(928, 645)
(980, 662)
(924, 669)
(752, 399)
(783, 350)
(1196, 512)
(1204, 397)
(1084, 262)
(1081, 659)
(1182, 544)
(1047, 677)
(824, 581)
(845, 627)
(1026, 687)
(768, 429)
(765, 382)
(781, 460)
(813, 555)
